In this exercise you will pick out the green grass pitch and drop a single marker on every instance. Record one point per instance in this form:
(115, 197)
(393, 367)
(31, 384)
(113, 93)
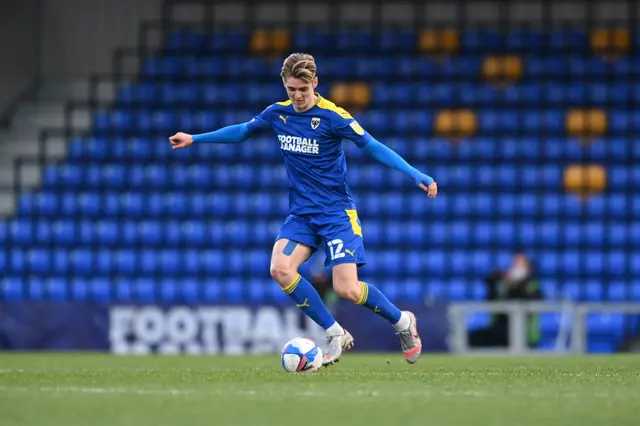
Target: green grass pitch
(88, 389)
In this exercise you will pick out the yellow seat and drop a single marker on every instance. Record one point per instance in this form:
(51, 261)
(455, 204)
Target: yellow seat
(586, 123)
(610, 42)
(456, 124)
(360, 95)
(339, 93)
(502, 70)
(585, 180)
(442, 42)
(351, 95)
(280, 40)
(269, 42)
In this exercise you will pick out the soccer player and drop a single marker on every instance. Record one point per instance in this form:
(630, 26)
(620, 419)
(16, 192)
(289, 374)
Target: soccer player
(310, 129)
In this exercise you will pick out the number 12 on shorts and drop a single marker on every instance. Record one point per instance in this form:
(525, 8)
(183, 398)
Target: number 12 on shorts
(335, 249)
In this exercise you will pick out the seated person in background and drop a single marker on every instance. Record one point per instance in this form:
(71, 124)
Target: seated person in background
(516, 283)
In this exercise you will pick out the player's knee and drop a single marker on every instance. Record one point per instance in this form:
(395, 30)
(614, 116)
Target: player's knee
(347, 289)
(282, 273)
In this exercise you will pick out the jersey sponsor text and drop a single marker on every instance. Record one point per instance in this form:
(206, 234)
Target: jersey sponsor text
(298, 144)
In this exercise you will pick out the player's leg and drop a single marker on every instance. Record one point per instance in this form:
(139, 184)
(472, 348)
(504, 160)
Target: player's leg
(287, 256)
(345, 251)
(347, 285)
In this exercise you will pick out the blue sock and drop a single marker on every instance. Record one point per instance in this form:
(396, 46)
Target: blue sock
(308, 299)
(374, 300)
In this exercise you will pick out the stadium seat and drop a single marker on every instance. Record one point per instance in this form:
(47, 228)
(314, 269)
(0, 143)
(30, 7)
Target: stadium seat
(585, 180)
(438, 43)
(502, 70)
(125, 218)
(351, 95)
(269, 42)
(610, 42)
(456, 123)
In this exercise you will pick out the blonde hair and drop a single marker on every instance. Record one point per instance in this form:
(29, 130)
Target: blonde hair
(299, 65)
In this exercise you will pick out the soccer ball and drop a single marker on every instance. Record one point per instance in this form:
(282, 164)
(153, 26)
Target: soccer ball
(301, 355)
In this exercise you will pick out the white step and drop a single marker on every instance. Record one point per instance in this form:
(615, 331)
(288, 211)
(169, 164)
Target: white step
(69, 90)
(7, 203)
(45, 110)
(75, 90)
(45, 114)
(29, 174)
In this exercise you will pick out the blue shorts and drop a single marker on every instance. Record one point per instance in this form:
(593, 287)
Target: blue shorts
(340, 231)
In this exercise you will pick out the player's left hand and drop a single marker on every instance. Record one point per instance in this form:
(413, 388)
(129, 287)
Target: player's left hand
(431, 190)
(426, 183)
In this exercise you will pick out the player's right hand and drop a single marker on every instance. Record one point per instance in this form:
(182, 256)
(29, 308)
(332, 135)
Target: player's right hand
(181, 140)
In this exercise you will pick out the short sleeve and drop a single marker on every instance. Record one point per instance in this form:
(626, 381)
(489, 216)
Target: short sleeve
(345, 126)
(261, 121)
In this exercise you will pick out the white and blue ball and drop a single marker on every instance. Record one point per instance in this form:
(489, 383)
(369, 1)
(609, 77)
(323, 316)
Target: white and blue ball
(301, 355)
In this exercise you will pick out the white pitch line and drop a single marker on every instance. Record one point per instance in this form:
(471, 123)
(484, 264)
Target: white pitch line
(364, 393)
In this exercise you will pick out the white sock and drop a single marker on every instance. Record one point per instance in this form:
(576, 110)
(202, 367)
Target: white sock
(403, 323)
(335, 330)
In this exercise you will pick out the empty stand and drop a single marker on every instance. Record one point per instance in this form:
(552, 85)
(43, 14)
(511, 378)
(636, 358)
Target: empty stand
(544, 125)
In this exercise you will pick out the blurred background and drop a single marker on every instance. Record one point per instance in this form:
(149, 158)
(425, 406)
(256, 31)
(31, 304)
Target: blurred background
(525, 112)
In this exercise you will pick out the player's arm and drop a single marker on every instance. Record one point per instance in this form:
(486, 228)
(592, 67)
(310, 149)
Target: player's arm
(230, 134)
(348, 128)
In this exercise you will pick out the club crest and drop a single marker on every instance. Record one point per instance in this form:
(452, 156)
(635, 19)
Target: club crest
(315, 122)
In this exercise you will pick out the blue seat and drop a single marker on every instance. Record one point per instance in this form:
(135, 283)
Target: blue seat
(56, 289)
(549, 288)
(550, 323)
(66, 232)
(228, 40)
(618, 292)
(567, 41)
(212, 291)
(81, 261)
(413, 66)
(635, 288)
(355, 41)
(457, 290)
(21, 232)
(479, 291)
(185, 40)
(437, 289)
(189, 290)
(550, 67)
(100, 289)
(414, 264)
(609, 324)
(397, 41)
(211, 262)
(524, 41)
(601, 345)
(593, 290)
(522, 93)
(36, 289)
(435, 94)
(461, 67)
(483, 41)
(307, 39)
(167, 290)
(78, 289)
(257, 290)
(412, 290)
(123, 290)
(11, 288)
(144, 290)
(162, 67)
(477, 320)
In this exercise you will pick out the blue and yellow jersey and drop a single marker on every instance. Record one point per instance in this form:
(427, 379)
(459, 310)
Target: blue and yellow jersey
(311, 144)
